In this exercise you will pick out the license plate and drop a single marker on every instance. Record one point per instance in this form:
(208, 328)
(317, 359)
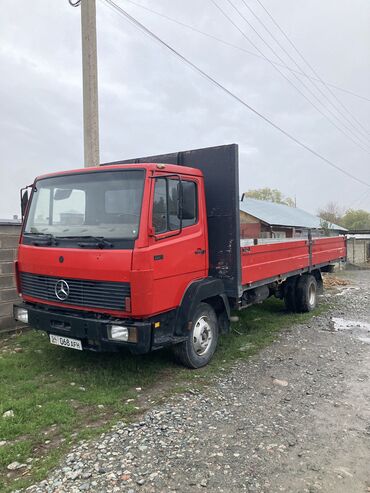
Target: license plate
(66, 342)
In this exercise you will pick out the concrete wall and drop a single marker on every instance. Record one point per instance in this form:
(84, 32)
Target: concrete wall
(9, 235)
(358, 251)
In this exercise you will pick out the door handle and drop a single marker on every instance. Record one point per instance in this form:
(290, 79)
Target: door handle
(199, 251)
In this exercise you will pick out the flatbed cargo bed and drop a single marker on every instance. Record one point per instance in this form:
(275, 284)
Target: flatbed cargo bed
(276, 260)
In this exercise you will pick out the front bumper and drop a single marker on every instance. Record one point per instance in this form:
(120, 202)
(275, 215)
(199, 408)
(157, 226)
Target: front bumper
(92, 331)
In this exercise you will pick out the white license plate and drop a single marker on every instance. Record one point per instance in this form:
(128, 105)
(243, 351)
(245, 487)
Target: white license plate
(66, 342)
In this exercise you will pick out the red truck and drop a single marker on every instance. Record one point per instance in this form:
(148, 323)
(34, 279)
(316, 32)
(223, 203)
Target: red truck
(146, 253)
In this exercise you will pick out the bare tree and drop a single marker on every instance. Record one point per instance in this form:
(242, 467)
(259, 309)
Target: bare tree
(331, 214)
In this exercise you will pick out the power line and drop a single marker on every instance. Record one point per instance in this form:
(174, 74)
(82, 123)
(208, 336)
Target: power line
(360, 129)
(74, 4)
(358, 142)
(360, 145)
(240, 48)
(310, 66)
(348, 91)
(359, 199)
(208, 77)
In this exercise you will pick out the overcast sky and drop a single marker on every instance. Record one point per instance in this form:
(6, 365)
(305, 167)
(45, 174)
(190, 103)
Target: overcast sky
(151, 103)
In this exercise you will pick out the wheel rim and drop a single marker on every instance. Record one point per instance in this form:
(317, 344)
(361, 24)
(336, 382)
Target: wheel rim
(202, 336)
(312, 294)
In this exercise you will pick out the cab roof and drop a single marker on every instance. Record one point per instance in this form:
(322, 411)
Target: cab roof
(154, 167)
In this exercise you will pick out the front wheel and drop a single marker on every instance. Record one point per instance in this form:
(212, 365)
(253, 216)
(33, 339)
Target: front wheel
(201, 343)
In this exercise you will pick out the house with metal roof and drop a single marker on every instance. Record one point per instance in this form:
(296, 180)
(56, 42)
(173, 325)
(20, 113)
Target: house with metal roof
(262, 219)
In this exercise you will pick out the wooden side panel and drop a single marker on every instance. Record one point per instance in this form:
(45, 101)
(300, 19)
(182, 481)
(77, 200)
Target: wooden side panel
(270, 260)
(328, 249)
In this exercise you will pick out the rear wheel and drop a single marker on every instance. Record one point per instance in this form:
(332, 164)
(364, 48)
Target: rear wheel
(306, 293)
(201, 344)
(290, 294)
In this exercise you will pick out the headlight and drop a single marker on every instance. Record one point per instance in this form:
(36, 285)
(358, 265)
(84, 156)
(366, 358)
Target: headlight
(21, 314)
(121, 333)
(118, 333)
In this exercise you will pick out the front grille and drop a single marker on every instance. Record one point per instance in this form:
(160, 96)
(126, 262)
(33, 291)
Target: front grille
(82, 292)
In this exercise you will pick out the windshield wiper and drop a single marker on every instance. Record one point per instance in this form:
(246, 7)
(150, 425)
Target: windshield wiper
(99, 241)
(44, 239)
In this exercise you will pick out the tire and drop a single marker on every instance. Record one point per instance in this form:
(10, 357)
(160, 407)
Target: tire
(223, 322)
(306, 294)
(290, 294)
(320, 285)
(198, 349)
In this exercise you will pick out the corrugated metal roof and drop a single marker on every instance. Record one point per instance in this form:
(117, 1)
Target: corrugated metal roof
(282, 215)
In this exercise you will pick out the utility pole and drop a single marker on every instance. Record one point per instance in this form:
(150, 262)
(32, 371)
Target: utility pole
(90, 81)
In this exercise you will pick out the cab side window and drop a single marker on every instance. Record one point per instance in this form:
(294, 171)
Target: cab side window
(160, 206)
(173, 204)
(189, 203)
(166, 207)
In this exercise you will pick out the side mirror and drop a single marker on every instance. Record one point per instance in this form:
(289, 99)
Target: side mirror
(189, 201)
(24, 201)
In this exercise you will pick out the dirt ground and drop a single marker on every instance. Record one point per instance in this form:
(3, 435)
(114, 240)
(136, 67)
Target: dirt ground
(294, 418)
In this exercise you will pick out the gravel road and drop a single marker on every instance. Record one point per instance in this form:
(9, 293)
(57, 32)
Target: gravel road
(294, 418)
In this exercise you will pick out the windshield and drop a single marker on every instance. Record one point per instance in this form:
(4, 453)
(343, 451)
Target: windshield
(100, 204)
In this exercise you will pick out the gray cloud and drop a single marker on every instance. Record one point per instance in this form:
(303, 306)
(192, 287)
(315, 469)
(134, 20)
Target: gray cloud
(151, 103)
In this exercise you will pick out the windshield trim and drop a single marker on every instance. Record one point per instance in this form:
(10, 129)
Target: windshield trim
(119, 243)
(62, 174)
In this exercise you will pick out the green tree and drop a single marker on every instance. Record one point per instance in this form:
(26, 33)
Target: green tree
(332, 213)
(271, 195)
(356, 219)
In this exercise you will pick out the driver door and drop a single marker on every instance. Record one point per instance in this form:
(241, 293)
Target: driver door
(178, 246)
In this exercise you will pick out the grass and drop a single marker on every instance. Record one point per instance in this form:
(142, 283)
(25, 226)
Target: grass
(60, 396)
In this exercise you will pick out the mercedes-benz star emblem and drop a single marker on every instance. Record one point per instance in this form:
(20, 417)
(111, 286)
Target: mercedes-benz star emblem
(61, 290)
